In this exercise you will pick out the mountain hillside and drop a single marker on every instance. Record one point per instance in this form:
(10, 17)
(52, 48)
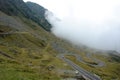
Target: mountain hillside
(26, 50)
(19, 8)
(39, 13)
(29, 51)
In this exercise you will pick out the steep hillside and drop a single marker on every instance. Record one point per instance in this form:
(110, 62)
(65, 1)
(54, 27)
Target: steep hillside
(29, 52)
(26, 51)
(39, 13)
(19, 8)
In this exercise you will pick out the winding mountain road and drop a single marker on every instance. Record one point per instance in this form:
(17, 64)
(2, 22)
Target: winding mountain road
(88, 55)
(99, 62)
(82, 71)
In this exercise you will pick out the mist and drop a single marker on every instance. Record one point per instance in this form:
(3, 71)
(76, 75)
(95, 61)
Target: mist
(94, 23)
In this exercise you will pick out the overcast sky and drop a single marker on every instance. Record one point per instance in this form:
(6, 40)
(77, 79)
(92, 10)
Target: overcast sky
(95, 23)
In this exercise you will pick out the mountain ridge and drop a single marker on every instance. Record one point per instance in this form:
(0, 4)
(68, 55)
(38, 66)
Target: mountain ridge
(20, 8)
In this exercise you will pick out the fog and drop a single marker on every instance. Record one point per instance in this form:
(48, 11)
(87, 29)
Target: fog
(95, 23)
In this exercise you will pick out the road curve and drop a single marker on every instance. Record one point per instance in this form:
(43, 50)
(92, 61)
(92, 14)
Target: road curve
(99, 62)
(81, 70)
(88, 55)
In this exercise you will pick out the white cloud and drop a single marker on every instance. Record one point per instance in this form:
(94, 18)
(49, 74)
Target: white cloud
(95, 23)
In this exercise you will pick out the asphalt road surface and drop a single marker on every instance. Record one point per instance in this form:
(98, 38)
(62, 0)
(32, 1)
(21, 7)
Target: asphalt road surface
(79, 69)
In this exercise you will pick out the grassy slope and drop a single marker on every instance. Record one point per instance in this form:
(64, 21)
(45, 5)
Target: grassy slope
(27, 54)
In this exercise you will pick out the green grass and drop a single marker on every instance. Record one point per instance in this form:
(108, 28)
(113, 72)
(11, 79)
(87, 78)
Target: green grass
(31, 60)
(31, 52)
